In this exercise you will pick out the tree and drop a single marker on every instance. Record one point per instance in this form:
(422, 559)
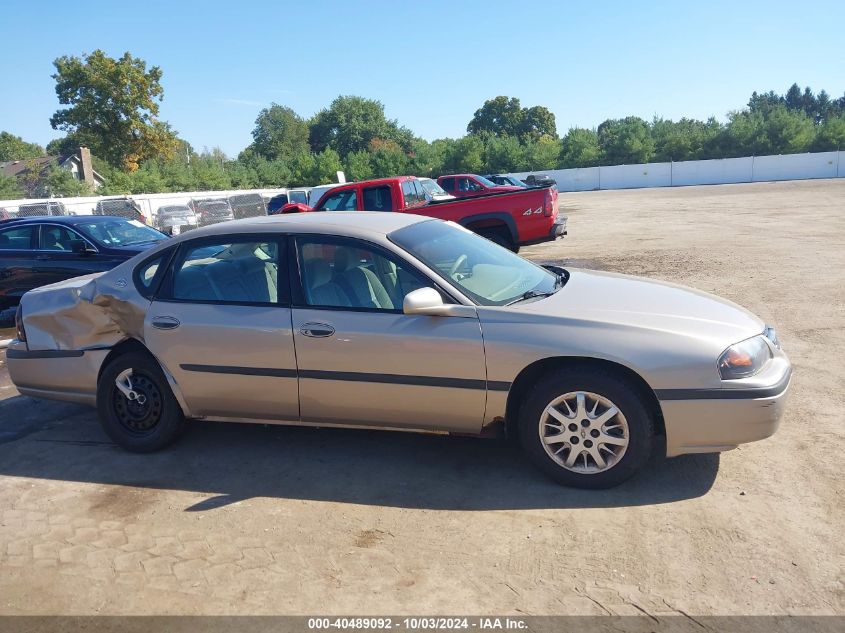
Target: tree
(544, 153)
(358, 166)
(9, 189)
(113, 108)
(580, 148)
(60, 182)
(538, 121)
(682, 140)
(464, 155)
(387, 159)
(625, 141)
(15, 148)
(326, 165)
(279, 133)
(830, 135)
(499, 116)
(504, 154)
(350, 123)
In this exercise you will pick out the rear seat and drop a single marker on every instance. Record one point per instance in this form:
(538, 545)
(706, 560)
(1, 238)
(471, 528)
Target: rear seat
(248, 279)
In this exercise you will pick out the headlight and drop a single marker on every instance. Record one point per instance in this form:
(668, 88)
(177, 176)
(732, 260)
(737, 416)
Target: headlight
(744, 359)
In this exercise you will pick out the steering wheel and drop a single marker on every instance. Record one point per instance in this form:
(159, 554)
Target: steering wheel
(456, 265)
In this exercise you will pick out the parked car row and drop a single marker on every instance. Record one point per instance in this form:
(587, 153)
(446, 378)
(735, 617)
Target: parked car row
(510, 216)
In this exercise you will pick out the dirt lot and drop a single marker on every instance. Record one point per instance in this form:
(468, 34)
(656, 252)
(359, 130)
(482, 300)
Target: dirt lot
(251, 519)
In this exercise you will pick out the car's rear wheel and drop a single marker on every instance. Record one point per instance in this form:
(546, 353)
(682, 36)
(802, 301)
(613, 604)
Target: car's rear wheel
(500, 237)
(586, 428)
(136, 405)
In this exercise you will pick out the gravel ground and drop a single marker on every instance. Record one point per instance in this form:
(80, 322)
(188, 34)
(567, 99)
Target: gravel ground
(252, 519)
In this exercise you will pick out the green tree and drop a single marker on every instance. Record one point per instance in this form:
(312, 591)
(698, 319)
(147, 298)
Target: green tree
(625, 141)
(113, 107)
(537, 122)
(15, 148)
(326, 165)
(9, 188)
(499, 116)
(830, 135)
(464, 155)
(504, 154)
(350, 123)
(425, 159)
(387, 159)
(682, 140)
(279, 133)
(544, 153)
(60, 182)
(358, 166)
(580, 148)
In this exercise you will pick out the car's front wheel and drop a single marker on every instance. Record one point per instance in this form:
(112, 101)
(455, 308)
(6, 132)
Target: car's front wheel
(136, 405)
(586, 428)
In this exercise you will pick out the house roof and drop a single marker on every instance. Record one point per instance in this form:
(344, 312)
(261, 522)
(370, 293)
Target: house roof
(17, 168)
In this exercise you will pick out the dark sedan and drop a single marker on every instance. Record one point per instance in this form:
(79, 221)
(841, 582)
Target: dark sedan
(43, 250)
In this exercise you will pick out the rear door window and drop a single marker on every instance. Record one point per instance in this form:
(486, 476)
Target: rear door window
(377, 198)
(17, 238)
(448, 184)
(241, 271)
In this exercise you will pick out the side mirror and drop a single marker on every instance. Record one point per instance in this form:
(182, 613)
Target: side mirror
(428, 302)
(80, 247)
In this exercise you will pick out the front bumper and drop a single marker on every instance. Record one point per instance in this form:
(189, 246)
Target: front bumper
(712, 421)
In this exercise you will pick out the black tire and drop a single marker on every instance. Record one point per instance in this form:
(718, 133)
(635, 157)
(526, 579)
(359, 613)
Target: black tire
(140, 428)
(500, 238)
(607, 384)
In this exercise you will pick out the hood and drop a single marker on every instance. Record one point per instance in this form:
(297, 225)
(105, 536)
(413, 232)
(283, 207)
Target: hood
(646, 303)
(134, 249)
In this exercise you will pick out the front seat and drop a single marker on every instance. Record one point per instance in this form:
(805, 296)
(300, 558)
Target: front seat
(320, 290)
(364, 288)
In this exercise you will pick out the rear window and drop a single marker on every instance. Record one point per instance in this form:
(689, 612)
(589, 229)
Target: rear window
(377, 198)
(413, 193)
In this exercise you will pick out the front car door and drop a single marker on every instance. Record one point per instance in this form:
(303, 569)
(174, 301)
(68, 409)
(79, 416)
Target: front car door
(55, 259)
(221, 324)
(361, 360)
(17, 262)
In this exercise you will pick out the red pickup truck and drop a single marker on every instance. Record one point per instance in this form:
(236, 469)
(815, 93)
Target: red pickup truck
(471, 185)
(511, 218)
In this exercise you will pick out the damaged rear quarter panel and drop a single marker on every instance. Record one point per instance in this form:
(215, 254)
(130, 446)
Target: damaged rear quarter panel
(90, 312)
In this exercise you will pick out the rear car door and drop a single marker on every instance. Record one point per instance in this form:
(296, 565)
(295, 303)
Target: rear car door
(361, 360)
(221, 324)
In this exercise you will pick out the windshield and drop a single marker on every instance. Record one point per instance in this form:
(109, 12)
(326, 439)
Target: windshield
(485, 182)
(487, 273)
(119, 232)
(431, 186)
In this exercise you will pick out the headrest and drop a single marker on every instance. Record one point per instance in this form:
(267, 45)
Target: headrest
(318, 271)
(344, 259)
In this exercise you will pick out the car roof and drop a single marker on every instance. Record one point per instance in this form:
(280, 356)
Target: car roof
(62, 219)
(330, 222)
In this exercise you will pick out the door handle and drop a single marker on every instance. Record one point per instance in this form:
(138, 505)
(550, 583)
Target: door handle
(165, 322)
(316, 330)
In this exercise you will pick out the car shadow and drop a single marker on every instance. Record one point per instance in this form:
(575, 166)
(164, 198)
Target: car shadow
(234, 462)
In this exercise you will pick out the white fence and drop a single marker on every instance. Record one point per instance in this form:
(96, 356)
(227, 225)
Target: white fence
(148, 202)
(699, 172)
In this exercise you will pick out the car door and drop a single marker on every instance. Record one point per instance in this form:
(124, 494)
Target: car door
(361, 360)
(221, 325)
(17, 261)
(55, 259)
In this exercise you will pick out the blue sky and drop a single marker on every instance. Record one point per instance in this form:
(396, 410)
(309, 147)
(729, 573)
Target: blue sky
(431, 63)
